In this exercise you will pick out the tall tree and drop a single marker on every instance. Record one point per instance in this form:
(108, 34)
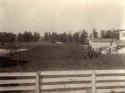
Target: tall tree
(115, 34)
(47, 36)
(109, 34)
(28, 36)
(69, 37)
(95, 33)
(83, 37)
(54, 37)
(7, 37)
(76, 37)
(36, 36)
(63, 37)
(103, 34)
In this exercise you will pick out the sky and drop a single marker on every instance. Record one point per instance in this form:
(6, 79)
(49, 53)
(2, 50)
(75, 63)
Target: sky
(61, 15)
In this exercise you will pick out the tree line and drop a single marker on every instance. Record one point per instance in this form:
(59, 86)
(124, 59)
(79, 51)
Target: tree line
(113, 34)
(80, 36)
(77, 37)
(28, 36)
(6, 37)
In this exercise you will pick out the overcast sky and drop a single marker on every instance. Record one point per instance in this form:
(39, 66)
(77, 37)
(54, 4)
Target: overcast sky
(61, 15)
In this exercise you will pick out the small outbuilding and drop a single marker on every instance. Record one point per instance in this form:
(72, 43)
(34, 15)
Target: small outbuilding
(109, 46)
(59, 42)
(100, 43)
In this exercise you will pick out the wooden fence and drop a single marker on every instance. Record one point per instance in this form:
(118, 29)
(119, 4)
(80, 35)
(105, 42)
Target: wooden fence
(81, 81)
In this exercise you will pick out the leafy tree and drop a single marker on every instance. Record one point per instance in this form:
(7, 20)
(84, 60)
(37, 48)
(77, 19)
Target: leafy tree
(115, 34)
(7, 37)
(28, 36)
(76, 37)
(69, 38)
(20, 37)
(109, 34)
(103, 34)
(36, 36)
(53, 37)
(63, 37)
(25, 37)
(95, 33)
(47, 36)
(83, 36)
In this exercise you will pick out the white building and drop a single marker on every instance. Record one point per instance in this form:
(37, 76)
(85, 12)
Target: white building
(110, 45)
(121, 43)
(122, 35)
(100, 43)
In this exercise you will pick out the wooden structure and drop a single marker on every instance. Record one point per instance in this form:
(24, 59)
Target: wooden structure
(80, 81)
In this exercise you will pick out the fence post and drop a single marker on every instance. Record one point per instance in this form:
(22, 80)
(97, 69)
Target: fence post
(93, 81)
(38, 82)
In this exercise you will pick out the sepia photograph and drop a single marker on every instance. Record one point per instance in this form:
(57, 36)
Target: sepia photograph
(62, 46)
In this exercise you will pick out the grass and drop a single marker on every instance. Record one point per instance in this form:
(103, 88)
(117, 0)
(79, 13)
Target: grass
(33, 44)
(64, 57)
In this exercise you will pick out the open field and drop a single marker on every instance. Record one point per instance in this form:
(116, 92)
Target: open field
(64, 57)
(43, 57)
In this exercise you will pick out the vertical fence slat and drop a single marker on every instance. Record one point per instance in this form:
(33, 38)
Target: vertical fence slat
(95, 77)
(38, 82)
(93, 81)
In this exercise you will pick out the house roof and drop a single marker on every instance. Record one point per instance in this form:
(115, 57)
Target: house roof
(119, 43)
(108, 40)
(121, 30)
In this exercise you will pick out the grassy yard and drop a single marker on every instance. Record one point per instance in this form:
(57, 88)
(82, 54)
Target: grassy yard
(64, 57)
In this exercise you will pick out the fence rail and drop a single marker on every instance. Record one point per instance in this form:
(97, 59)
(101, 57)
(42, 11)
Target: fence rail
(82, 81)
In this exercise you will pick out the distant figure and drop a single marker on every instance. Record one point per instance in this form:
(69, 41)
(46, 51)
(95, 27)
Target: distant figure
(109, 51)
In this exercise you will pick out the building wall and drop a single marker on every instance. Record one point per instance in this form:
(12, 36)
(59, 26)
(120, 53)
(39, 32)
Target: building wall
(122, 35)
(97, 45)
